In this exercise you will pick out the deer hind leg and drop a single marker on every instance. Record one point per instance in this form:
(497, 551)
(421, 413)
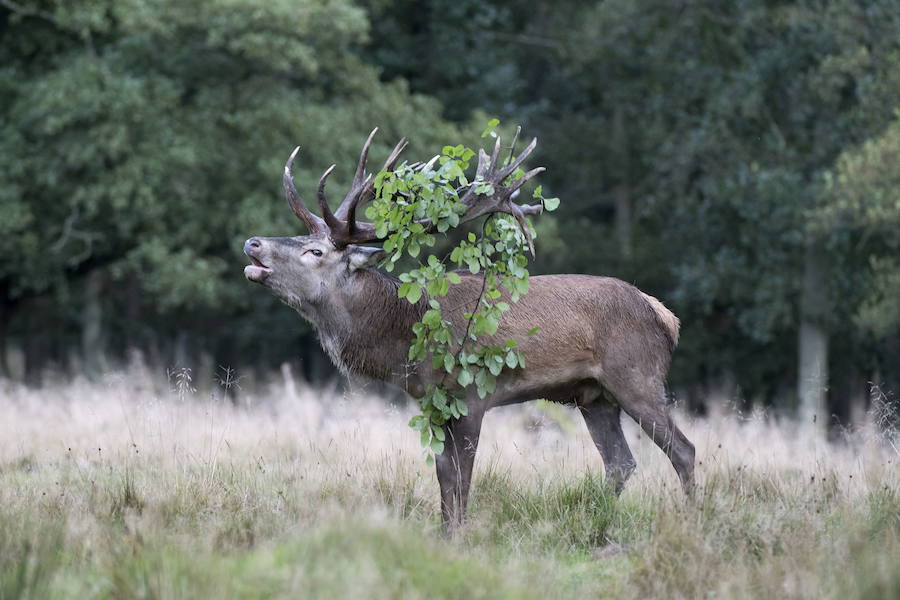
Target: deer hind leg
(454, 466)
(603, 420)
(646, 404)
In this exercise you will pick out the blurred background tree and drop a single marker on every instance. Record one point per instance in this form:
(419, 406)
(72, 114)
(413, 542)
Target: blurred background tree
(735, 159)
(144, 141)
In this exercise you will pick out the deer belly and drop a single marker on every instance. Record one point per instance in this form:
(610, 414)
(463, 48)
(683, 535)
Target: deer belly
(573, 383)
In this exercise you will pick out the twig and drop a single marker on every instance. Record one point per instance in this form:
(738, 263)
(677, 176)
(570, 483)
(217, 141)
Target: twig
(69, 231)
(522, 38)
(478, 301)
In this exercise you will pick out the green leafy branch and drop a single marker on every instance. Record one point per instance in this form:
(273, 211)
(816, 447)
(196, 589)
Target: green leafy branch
(413, 202)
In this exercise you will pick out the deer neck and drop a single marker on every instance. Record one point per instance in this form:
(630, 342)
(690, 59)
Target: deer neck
(366, 330)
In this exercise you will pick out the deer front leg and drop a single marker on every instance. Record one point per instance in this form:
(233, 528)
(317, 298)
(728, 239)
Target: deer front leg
(454, 466)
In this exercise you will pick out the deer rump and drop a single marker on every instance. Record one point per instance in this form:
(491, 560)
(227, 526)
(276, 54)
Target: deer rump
(593, 334)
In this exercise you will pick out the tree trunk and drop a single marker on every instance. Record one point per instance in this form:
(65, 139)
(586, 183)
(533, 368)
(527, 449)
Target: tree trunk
(133, 312)
(5, 315)
(35, 356)
(92, 349)
(812, 363)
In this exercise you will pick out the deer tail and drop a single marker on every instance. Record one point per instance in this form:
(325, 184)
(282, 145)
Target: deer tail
(666, 318)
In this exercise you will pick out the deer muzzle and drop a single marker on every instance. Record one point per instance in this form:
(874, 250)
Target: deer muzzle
(257, 271)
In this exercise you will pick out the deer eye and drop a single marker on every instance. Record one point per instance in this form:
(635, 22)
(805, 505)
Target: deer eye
(316, 252)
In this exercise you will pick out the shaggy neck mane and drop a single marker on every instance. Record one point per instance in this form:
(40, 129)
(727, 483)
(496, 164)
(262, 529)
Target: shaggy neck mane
(377, 343)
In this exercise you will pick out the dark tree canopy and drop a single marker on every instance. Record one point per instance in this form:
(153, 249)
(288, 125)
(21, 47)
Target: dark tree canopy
(736, 159)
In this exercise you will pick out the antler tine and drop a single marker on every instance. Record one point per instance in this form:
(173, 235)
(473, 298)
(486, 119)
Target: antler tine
(312, 222)
(495, 155)
(515, 164)
(520, 210)
(515, 185)
(519, 213)
(359, 180)
(363, 157)
(512, 147)
(334, 224)
(395, 154)
(484, 164)
(487, 164)
(351, 209)
(368, 191)
(430, 163)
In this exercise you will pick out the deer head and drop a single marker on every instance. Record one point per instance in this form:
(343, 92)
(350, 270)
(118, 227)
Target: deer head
(308, 269)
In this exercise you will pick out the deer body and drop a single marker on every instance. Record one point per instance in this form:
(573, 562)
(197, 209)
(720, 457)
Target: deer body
(602, 344)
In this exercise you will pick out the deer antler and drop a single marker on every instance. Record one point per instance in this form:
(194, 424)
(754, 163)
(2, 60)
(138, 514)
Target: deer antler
(491, 172)
(313, 223)
(344, 229)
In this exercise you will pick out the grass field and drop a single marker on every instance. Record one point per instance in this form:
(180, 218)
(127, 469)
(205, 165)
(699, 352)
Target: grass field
(135, 487)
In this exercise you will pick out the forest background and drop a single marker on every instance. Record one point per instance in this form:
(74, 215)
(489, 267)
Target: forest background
(738, 160)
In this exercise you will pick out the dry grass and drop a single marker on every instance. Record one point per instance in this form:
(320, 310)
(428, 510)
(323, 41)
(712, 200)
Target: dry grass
(135, 487)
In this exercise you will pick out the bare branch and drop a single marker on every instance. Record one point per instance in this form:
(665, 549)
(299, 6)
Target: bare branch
(70, 232)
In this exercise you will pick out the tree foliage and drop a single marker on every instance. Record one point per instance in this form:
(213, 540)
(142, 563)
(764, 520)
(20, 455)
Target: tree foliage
(693, 144)
(144, 140)
(702, 150)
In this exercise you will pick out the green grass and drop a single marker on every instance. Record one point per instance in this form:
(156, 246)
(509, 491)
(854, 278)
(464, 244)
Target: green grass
(121, 490)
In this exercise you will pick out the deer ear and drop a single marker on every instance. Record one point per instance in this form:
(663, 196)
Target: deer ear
(360, 257)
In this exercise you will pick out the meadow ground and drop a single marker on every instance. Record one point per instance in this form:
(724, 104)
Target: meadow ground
(135, 487)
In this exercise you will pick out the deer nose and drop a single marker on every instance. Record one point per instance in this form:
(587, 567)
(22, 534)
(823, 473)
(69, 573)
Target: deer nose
(252, 245)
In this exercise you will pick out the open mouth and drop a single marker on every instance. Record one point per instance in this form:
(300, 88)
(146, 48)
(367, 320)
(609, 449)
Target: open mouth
(257, 271)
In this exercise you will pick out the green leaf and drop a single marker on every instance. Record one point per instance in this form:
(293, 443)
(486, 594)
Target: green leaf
(491, 324)
(551, 204)
(414, 293)
(465, 377)
(453, 278)
(490, 127)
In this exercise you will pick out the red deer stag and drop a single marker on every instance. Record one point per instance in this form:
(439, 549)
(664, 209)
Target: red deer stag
(602, 344)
